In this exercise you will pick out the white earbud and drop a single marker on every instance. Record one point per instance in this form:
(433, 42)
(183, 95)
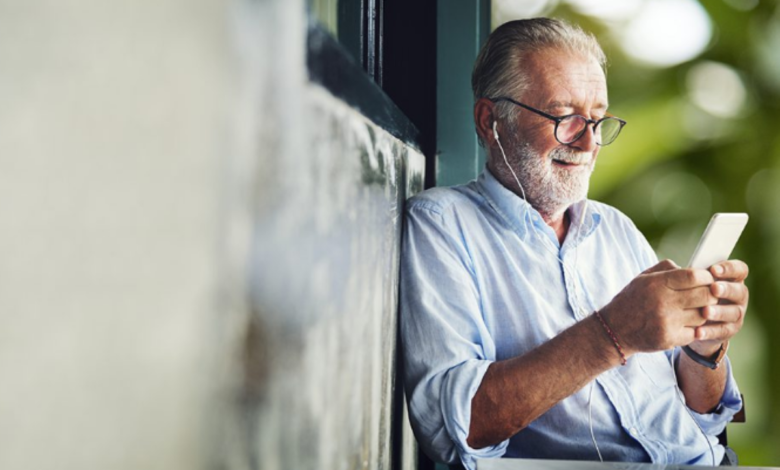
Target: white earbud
(495, 131)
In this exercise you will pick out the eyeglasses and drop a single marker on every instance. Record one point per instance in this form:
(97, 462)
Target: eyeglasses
(569, 128)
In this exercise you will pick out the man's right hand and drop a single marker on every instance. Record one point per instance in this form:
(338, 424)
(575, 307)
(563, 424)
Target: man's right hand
(660, 308)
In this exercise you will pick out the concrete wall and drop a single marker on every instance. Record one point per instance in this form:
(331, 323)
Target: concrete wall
(199, 246)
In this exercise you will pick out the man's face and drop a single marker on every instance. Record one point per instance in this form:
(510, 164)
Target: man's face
(553, 175)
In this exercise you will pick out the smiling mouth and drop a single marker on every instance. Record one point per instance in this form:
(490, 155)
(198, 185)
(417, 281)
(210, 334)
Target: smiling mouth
(567, 164)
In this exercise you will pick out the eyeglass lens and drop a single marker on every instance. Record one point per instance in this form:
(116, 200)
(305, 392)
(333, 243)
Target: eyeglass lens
(572, 128)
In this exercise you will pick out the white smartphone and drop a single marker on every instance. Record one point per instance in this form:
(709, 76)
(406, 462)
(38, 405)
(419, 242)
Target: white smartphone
(719, 239)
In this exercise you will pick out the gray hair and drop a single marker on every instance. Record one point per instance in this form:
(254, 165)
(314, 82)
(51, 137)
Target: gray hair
(499, 69)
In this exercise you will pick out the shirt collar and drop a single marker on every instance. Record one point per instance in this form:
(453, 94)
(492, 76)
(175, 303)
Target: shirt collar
(589, 222)
(519, 214)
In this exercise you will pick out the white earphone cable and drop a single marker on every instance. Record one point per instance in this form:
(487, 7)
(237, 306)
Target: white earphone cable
(590, 421)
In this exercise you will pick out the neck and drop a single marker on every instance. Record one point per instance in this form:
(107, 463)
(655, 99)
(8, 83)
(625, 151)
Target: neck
(560, 224)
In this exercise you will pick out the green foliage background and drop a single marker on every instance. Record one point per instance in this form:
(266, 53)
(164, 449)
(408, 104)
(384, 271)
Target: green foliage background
(670, 180)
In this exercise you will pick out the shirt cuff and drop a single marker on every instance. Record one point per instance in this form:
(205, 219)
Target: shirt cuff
(715, 422)
(458, 390)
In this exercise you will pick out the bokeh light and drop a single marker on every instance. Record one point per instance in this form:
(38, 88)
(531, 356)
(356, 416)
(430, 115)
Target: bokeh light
(716, 88)
(701, 125)
(507, 10)
(608, 10)
(742, 5)
(667, 32)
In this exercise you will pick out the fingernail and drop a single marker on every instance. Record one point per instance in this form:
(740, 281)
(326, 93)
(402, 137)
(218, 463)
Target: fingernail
(717, 269)
(717, 288)
(708, 314)
(702, 334)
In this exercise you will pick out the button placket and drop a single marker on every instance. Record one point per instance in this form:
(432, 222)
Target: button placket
(569, 283)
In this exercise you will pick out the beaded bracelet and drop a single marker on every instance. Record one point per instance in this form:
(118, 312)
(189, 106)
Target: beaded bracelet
(612, 336)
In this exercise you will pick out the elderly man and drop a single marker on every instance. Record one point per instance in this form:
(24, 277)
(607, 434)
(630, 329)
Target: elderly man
(539, 324)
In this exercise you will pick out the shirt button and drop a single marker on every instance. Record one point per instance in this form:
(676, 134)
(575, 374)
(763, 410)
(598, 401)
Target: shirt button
(633, 432)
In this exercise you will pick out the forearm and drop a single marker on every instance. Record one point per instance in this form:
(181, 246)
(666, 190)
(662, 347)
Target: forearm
(702, 387)
(516, 391)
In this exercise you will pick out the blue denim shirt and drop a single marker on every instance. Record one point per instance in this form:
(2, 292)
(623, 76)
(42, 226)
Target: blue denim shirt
(481, 282)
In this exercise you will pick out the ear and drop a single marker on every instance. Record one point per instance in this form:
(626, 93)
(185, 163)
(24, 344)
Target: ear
(483, 120)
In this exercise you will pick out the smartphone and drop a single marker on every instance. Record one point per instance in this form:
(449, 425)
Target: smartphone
(719, 239)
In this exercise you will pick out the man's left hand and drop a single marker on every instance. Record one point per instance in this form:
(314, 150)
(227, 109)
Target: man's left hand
(725, 319)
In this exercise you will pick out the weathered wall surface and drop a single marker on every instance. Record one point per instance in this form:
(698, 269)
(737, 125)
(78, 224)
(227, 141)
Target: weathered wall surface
(315, 232)
(199, 246)
(319, 385)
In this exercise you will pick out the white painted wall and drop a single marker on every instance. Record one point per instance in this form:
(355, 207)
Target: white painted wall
(112, 129)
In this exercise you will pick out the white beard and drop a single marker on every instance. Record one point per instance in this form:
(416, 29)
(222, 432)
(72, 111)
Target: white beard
(550, 189)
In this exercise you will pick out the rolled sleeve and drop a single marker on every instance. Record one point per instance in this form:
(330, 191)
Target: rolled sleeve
(715, 422)
(446, 346)
(459, 388)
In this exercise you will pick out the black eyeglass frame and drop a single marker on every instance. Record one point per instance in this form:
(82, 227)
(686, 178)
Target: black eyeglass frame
(559, 119)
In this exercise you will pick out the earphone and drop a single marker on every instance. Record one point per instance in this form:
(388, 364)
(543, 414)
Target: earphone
(582, 310)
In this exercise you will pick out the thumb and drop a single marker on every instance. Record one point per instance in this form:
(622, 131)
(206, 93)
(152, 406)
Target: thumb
(665, 265)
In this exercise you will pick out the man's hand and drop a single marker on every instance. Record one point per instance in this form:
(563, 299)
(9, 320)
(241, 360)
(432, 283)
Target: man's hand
(662, 308)
(725, 319)
(668, 306)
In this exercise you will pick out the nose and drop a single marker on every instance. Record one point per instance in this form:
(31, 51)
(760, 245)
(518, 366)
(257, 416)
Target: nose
(587, 141)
